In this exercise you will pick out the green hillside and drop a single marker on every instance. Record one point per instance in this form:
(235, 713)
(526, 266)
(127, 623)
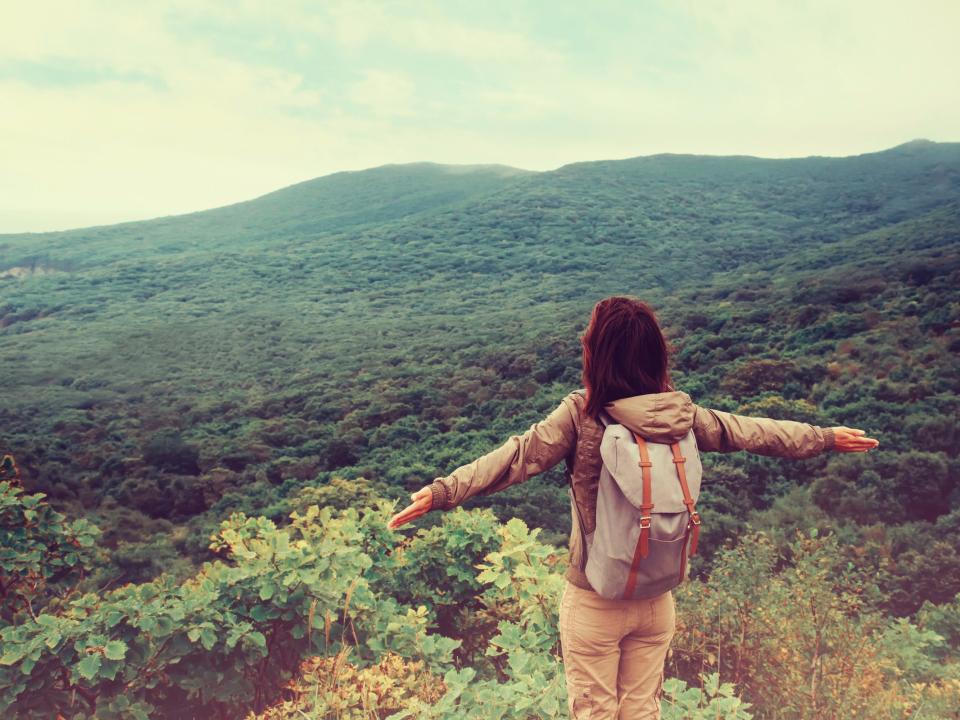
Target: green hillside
(323, 205)
(354, 336)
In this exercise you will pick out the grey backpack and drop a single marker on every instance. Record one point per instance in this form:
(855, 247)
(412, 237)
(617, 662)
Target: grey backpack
(647, 522)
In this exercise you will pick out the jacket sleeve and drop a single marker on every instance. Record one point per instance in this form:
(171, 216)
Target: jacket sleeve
(720, 431)
(541, 447)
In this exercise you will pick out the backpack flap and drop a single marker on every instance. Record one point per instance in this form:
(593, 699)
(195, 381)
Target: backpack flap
(621, 457)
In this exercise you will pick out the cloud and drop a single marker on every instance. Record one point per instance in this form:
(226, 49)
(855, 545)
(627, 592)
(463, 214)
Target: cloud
(66, 73)
(385, 93)
(357, 25)
(119, 111)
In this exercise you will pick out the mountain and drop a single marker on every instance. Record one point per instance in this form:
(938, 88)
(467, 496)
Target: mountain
(396, 321)
(879, 187)
(326, 204)
(345, 340)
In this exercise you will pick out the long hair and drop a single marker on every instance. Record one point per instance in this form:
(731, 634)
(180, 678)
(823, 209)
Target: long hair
(624, 353)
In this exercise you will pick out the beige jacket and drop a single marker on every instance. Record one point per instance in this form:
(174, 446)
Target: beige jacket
(569, 434)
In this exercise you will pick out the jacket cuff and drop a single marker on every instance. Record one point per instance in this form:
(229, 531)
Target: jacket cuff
(441, 498)
(829, 438)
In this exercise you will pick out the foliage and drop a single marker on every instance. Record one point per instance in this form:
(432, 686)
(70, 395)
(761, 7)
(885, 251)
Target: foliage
(802, 633)
(521, 674)
(304, 618)
(944, 620)
(334, 687)
(224, 641)
(461, 539)
(714, 701)
(167, 450)
(41, 555)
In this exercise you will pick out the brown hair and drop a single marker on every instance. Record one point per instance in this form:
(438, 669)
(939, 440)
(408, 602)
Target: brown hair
(624, 353)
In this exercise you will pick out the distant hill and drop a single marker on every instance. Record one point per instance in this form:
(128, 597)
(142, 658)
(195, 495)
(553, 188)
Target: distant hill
(325, 204)
(888, 186)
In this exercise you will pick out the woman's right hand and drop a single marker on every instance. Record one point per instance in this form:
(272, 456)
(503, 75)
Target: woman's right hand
(422, 503)
(852, 440)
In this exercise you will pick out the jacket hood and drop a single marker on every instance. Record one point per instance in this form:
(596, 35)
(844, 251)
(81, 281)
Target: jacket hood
(659, 417)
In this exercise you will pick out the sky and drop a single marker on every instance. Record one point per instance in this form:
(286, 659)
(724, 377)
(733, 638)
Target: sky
(113, 111)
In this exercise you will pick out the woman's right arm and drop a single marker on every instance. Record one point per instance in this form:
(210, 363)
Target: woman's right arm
(544, 445)
(719, 431)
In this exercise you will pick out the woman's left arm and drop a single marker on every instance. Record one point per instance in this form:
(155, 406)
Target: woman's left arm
(541, 447)
(719, 431)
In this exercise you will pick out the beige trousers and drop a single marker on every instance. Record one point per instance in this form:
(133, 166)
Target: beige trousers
(613, 653)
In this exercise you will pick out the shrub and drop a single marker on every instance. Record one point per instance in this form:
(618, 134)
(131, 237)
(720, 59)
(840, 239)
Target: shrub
(167, 450)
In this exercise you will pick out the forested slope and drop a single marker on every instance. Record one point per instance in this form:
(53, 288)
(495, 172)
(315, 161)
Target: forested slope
(394, 323)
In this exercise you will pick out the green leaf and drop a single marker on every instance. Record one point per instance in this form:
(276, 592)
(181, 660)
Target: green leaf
(13, 655)
(89, 666)
(110, 669)
(260, 612)
(549, 705)
(115, 650)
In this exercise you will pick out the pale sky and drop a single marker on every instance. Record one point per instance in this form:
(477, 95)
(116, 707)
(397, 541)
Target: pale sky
(114, 111)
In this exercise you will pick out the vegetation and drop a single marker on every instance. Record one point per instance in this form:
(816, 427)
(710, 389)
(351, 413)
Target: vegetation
(304, 620)
(342, 342)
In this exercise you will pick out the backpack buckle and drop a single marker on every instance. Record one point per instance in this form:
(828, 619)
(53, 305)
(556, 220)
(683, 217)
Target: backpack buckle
(695, 517)
(645, 522)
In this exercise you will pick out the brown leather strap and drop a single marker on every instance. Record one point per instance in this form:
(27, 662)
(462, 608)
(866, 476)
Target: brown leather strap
(646, 506)
(693, 528)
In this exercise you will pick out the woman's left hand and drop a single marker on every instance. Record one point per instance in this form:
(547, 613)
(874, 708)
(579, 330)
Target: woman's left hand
(852, 440)
(422, 502)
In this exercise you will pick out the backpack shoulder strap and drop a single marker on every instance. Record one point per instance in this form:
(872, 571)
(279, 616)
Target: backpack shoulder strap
(646, 507)
(679, 461)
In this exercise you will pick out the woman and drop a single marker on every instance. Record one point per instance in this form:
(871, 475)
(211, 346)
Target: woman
(614, 650)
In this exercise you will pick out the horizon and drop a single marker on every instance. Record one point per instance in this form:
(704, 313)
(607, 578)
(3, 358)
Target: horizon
(113, 112)
(240, 201)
